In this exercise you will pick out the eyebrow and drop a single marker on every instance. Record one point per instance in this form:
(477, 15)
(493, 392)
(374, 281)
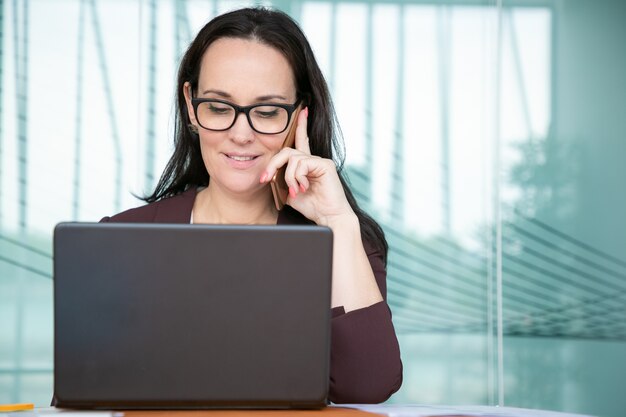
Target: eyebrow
(260, 98)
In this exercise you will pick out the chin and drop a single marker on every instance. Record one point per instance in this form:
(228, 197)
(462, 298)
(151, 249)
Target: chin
(242, 186)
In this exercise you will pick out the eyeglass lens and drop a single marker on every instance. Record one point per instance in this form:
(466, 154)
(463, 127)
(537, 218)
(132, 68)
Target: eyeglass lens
(264, 118)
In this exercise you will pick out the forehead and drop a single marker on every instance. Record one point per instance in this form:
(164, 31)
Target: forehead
(246, 69)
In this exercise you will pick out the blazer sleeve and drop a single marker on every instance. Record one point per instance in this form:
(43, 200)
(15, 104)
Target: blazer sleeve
(365, 364)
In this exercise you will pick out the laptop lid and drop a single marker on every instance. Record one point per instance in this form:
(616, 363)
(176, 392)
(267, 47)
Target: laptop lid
(191, 316)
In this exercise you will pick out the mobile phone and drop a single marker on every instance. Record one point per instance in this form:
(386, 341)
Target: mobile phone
(280, 189)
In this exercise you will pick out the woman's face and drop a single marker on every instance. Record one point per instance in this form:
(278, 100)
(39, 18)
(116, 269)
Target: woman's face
(242, 72)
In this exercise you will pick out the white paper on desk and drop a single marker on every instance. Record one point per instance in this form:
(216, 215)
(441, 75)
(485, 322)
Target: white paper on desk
(391, 410)
(53, 411)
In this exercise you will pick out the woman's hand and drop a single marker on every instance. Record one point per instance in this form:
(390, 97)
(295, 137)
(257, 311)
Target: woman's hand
(315, 191)
(314, 186)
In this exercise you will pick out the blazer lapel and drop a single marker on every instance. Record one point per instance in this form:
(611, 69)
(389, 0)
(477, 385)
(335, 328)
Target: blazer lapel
(176, 209)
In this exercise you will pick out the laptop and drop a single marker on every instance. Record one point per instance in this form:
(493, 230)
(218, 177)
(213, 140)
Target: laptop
(164, 316)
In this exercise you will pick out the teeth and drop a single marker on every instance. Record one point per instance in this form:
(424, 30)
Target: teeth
(241, 158)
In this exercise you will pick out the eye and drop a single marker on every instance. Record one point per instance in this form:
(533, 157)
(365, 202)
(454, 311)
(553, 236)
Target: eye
(267, 112)
(219, 108)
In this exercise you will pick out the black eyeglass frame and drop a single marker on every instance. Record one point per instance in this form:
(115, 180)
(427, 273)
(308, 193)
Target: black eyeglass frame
(245, 110)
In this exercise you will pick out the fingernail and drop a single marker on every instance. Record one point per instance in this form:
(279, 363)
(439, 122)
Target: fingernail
(292, 192)
(263, 177)
(302, 188)
(306, 111)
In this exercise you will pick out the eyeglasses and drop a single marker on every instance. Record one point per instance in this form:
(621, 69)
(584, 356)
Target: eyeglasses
(265, 118)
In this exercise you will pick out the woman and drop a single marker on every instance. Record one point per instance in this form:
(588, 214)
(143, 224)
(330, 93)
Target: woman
(239, 85)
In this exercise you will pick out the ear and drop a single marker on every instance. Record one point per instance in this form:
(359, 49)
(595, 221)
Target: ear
(190, 112)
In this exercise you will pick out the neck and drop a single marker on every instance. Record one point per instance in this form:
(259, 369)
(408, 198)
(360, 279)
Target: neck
(215, 206)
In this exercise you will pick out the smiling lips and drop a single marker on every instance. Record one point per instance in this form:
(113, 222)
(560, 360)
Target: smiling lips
(241, 158)
(241, 161)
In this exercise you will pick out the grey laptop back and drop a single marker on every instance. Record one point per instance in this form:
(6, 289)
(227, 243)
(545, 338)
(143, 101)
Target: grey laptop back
(191, 316)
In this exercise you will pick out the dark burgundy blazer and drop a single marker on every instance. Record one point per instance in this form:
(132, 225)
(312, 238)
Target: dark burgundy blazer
(365, 356)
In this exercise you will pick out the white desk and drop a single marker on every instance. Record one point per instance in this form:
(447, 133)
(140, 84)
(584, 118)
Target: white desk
(351, 410)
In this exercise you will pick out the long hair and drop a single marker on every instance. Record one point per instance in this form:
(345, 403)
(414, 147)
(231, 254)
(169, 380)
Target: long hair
(186, 168)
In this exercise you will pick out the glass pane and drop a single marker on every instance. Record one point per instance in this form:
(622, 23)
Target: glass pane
(564, 230)
(65, 158)
(35, 388)
(26, 314)
(6, 387)
(422, 168)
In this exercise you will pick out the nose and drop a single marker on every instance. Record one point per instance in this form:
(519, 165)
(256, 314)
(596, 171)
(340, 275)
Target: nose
(241, 132)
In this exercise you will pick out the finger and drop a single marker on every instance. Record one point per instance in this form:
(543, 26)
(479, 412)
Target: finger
(277, 161)
(306, 168)
(311, 167)
(303, 181)
(302, 138)
(290, 171)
